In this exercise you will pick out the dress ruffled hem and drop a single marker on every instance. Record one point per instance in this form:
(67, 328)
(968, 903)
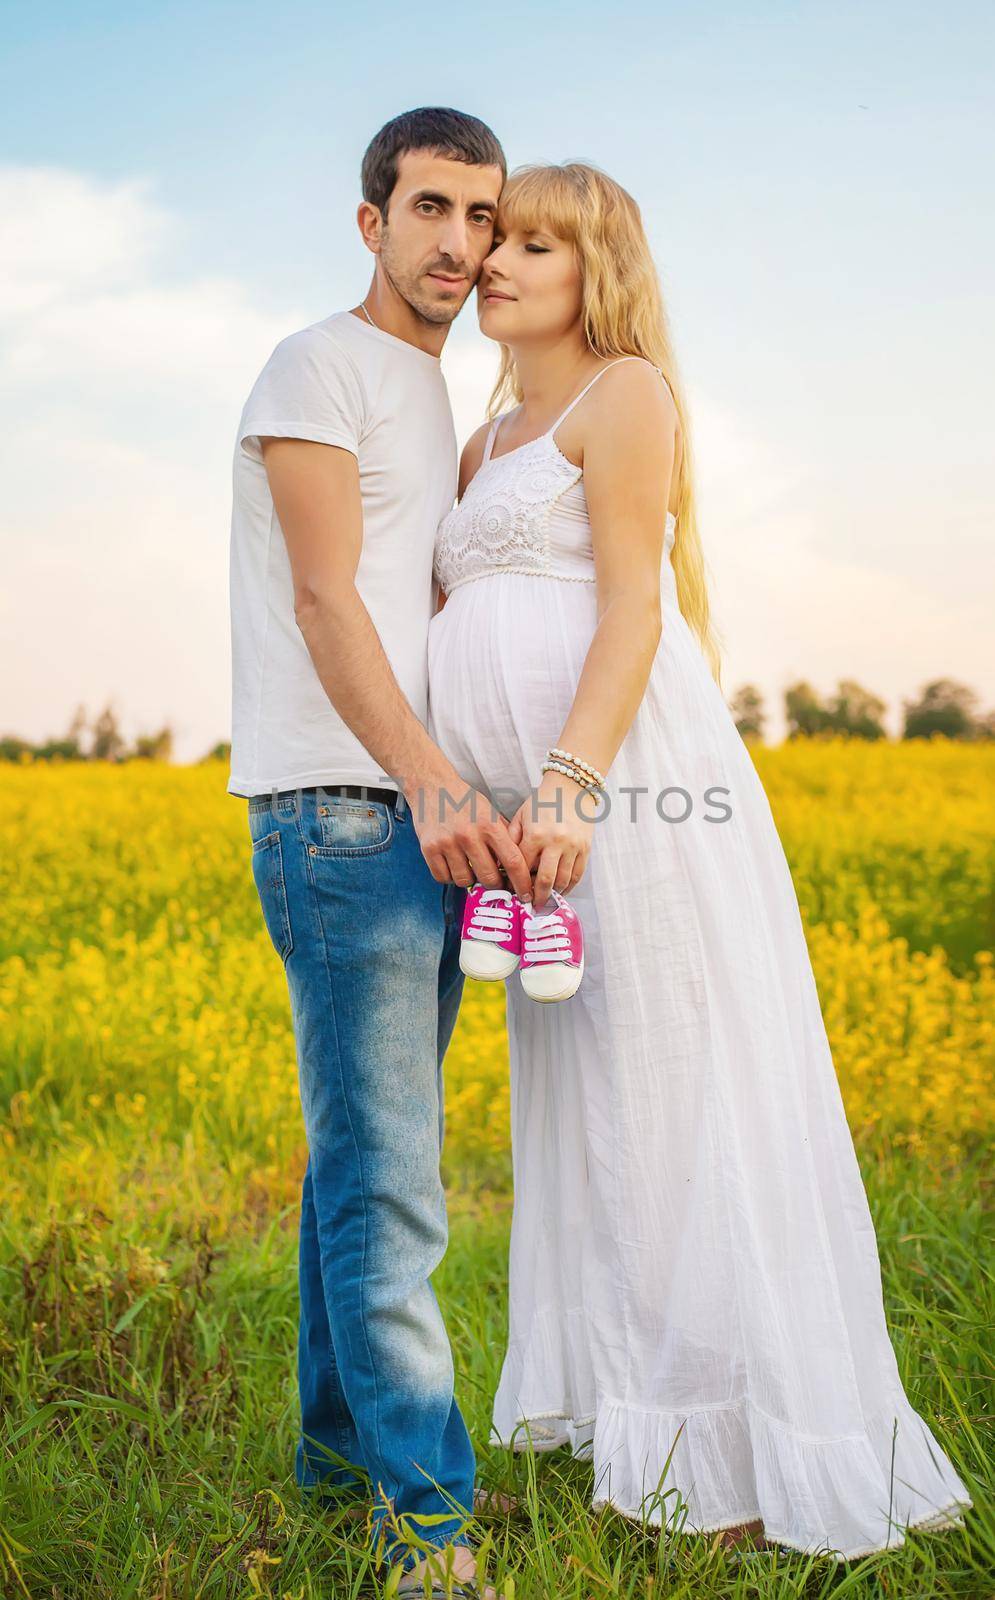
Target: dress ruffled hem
(704, 1471)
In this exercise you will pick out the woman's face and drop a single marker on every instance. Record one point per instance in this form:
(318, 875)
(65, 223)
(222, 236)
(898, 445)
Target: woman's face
(529, 287)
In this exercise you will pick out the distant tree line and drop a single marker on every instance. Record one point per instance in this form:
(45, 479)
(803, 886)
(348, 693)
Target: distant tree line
(942, 707)
(99, 739)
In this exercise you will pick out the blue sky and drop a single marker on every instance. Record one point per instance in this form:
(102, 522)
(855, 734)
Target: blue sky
(180, 183)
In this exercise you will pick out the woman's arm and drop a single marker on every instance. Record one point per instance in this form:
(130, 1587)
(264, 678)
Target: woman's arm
(627, 437)
(628, 459)
(473, 455)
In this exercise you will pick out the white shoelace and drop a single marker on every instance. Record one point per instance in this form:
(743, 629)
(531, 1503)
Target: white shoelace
(492, 915)
(545, 937)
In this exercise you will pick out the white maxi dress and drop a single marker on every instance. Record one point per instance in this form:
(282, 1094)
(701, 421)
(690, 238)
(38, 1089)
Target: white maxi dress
(693, 1270)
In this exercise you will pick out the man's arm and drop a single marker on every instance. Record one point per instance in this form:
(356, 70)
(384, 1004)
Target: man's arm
(315, 489)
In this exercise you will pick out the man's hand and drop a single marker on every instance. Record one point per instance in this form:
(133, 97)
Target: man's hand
(465, 839)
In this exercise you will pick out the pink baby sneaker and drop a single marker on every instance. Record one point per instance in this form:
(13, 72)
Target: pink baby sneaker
(552, 962)
(491, 945)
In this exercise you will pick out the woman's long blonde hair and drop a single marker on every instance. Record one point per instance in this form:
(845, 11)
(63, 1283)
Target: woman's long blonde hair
(623, 316)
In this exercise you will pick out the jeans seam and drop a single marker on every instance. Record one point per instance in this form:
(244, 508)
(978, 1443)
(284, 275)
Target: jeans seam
(355, 1142)
(335, 1374)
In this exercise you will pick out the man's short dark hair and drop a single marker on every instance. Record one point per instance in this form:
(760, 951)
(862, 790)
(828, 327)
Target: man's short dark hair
(436, 129)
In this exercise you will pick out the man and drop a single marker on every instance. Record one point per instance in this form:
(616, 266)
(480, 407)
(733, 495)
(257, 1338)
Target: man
(345, 462)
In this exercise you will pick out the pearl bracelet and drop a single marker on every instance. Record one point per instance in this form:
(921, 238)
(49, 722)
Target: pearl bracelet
(567, 755)
(570, 772)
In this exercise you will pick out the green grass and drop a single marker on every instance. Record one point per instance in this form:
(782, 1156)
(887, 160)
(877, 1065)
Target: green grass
(148, 1417)
(148, 1251)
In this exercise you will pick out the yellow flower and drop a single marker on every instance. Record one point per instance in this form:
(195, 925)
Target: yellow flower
(144, 987)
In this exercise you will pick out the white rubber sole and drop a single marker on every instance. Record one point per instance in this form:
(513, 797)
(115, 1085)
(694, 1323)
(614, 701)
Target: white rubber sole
(561, 981)
(486, 962)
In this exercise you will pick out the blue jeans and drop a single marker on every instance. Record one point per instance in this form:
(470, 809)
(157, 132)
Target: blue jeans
(370, 943)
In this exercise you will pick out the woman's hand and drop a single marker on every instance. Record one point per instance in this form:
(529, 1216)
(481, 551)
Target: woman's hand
(554, 835)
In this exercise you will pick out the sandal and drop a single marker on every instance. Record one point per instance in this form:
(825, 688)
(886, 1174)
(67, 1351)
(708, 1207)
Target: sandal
(438, 1591)
(441, 1589)
(489, 1502)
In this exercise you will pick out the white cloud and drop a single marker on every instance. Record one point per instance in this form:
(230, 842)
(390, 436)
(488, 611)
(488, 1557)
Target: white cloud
(121, 388)
(65, 234)
(84, 300)
(470, 364)
(120, 394)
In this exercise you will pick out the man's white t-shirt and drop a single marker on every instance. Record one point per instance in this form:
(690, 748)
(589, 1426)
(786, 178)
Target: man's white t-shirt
(340, 382)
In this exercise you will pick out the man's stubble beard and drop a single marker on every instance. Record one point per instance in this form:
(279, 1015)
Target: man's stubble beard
(408, 287)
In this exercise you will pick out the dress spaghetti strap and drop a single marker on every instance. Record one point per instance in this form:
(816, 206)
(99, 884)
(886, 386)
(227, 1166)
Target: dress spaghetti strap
(492, 430)
(489, 442)
(564, 414)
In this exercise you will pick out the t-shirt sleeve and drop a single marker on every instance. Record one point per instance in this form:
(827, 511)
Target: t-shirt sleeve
(308, 389)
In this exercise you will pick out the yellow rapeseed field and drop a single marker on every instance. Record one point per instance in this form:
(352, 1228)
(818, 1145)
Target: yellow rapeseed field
(148, 1058)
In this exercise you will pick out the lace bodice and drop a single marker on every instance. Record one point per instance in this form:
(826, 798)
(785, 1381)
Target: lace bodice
(523, 512)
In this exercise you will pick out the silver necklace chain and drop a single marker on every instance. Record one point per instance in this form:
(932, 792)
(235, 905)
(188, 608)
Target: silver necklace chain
(366, 314)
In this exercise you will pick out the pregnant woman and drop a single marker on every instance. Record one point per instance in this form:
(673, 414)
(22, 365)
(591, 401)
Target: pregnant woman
(695, 1292)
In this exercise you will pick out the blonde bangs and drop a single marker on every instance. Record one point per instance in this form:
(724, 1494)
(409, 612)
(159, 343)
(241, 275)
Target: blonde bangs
(539, 200)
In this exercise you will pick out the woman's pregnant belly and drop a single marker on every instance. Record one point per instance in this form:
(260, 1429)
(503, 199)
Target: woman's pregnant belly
(504, 657)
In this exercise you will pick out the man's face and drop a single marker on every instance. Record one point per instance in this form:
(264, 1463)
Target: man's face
(439, 228)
